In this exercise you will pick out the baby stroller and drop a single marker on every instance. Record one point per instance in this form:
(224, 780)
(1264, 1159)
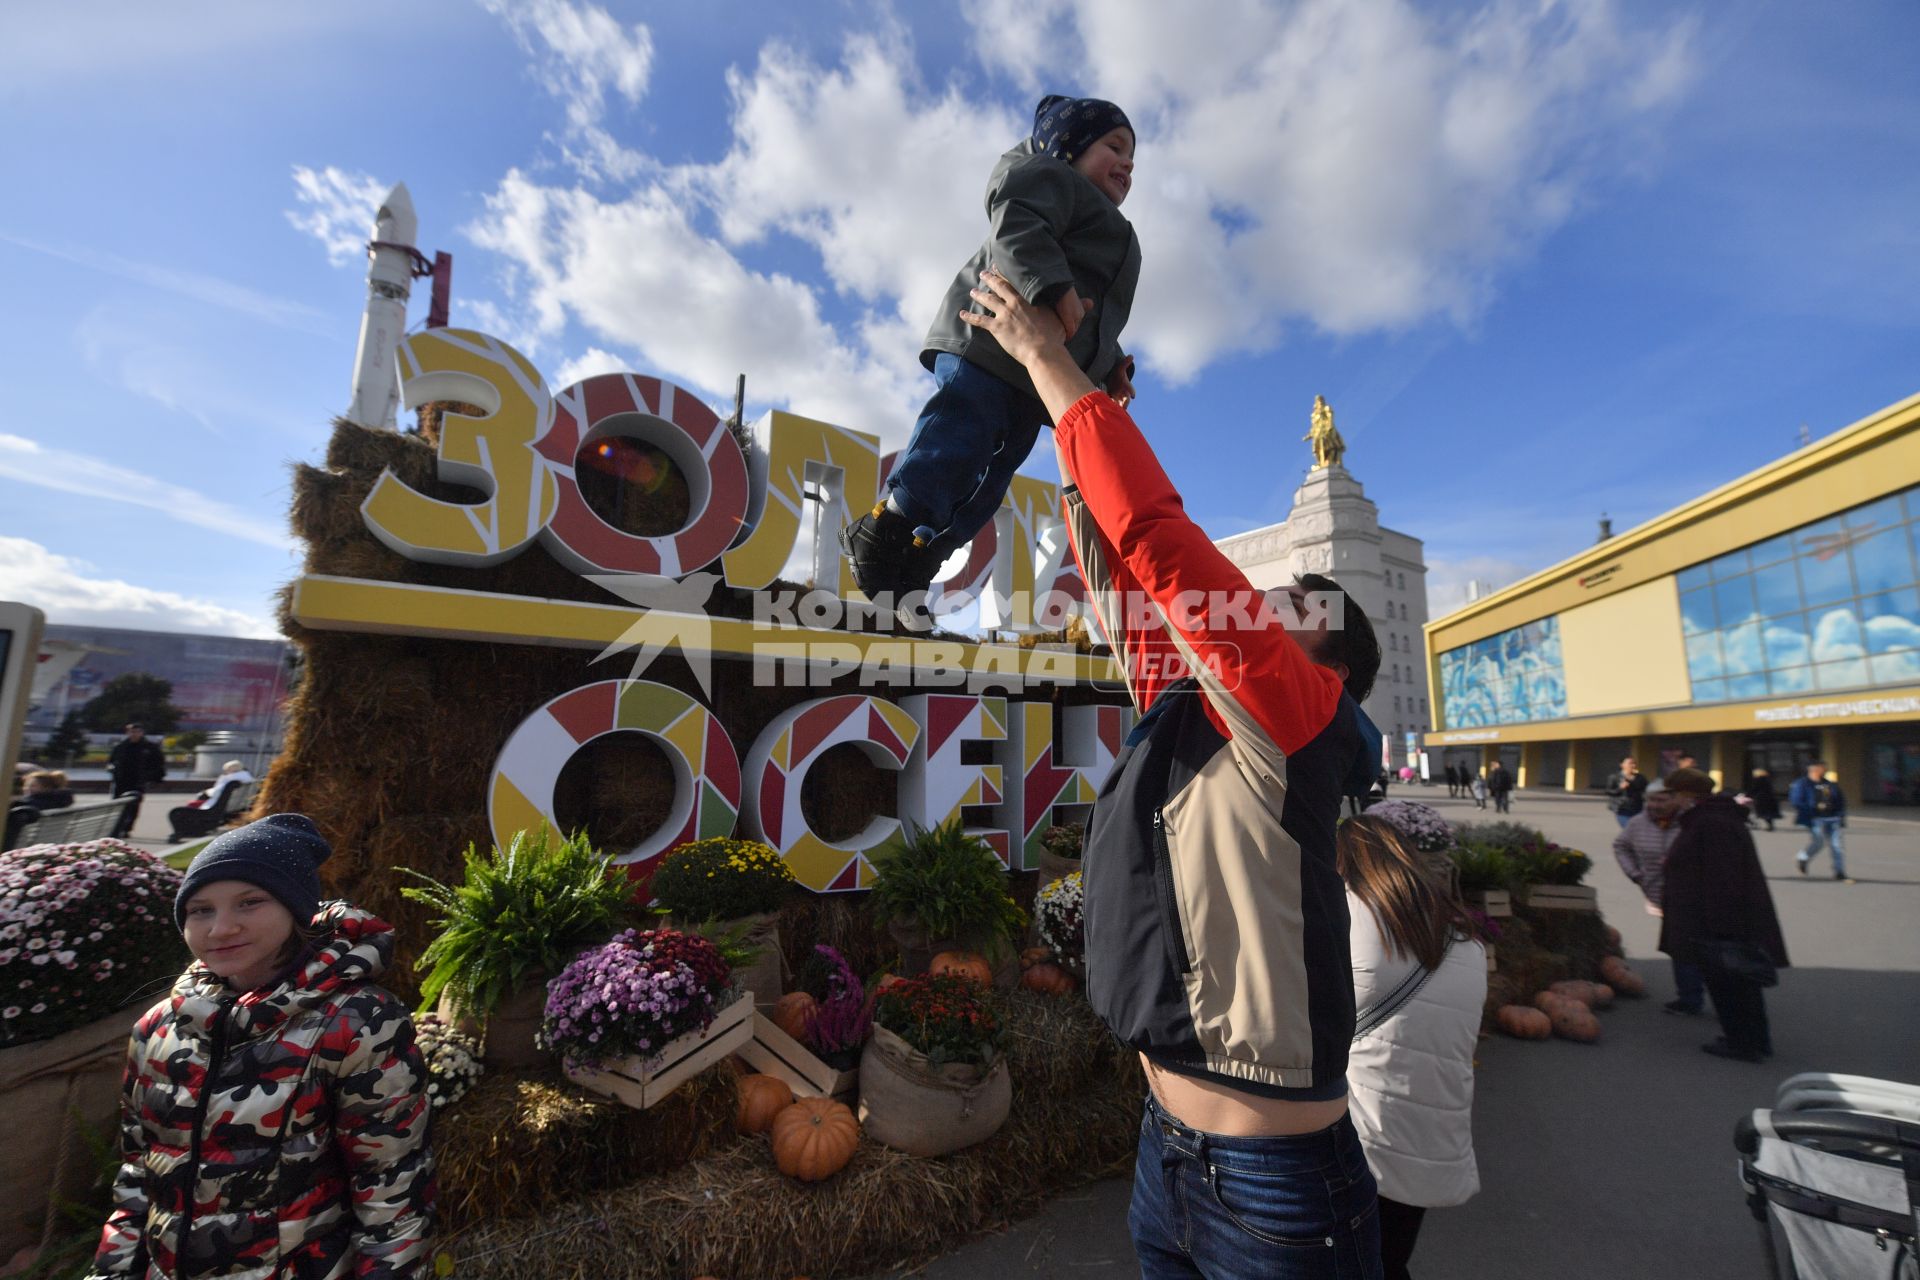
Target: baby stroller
(1832, 1174)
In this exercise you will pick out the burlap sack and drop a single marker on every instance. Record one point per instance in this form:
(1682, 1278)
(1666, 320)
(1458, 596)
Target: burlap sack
(54, 1094)
(765, 977)
(908, 1104)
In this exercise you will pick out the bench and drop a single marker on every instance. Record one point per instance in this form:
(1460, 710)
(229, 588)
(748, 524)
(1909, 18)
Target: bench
(233, 802)
(74, 824)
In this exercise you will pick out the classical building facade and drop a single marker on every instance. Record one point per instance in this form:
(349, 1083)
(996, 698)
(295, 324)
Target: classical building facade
(1334, 529)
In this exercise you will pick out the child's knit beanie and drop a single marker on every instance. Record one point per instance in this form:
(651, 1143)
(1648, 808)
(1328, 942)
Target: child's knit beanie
(281, 854)
(1064, 127)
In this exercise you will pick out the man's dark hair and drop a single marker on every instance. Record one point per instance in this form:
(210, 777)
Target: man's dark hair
(1353, 642)
(142, 728)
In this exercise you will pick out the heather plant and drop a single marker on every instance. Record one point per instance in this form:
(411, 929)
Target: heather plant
(633, 996)
(841, 1020)
(85, 929)
(1423, 824)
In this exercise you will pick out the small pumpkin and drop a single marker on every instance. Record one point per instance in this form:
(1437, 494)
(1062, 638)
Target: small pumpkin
(1613, 937)
(1549, 1002)
(1035, 955)
(1574, 1021)
(1583, 992)
(761, 1098)
(1622, 977)
(970, 965)
(1522, 1023)
(1048, 980)
(793, 1011)
(814, 1138)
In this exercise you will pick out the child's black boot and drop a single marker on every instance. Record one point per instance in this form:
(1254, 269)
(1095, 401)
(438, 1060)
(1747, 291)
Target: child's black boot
(880, 544)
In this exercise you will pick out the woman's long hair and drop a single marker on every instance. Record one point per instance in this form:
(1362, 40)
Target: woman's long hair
(1410, 893)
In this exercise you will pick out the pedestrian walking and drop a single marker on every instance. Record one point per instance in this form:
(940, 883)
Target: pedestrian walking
(1499, 786)
(1765, 805)
(1419, 983)
(1820, 806)
(1717, 913)
(274, 1108)
(1453, 781)
(1641, 849)
(1248, 1164)
(1626, 789)
(1479, 789)
(135, 763)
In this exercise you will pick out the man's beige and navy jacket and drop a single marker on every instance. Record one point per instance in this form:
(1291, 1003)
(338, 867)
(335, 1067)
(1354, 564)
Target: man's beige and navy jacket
(1216, 921)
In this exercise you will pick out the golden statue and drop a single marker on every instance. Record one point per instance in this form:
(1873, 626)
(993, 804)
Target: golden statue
(1328, 447)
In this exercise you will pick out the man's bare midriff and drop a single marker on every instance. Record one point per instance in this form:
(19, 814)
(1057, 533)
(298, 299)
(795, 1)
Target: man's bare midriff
(1212, 1107)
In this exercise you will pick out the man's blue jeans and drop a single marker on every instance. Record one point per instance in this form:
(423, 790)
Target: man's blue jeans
(973, 435)
(1221, 1208)
(1827, 830)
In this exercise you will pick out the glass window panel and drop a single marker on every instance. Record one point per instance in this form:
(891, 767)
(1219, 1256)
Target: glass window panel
(1882, 562)
(1733, 599)
(1791, 680)
(1772, 551)
(1836, 635)
(1696, 611)
(1905, 604)
(1913, 503)
(1788, 641)
(1840, 675)
(1753, 686)
(1896, 668)
(1726, 566)
(1824, 575)
(1740, 650)
(1776, 590)
(1688, 579)
(1875, 515)
(1710, 691)
(1703, 655)
(1890, 632)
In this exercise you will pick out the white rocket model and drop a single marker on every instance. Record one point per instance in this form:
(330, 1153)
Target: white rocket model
(376, 378)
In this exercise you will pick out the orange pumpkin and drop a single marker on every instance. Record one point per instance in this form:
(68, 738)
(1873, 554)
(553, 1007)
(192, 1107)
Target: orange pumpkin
(1574, 1021)
(970, 965)
(793, 1011)
(1048, 980)
(814, 1138)
(1035, 955)
(1523, 1023)
(1594, 995)
(1621, 977)
(761, 1099)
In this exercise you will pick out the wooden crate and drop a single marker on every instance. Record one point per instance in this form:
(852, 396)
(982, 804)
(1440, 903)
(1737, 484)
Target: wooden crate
(773, 1052)
(626, 1081)
(1562, 897)
(1494, 902)
(1492, 966)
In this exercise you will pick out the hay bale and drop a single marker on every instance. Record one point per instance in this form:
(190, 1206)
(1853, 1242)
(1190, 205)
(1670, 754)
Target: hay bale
(732, 1213)
(519, 1144)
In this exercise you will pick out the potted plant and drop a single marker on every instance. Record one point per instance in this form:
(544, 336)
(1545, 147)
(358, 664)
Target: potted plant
(1485, 876)
(945, 890)
(1057, 914)
(515, 919)
(1550, 876)
(636, 1017)
(1060, 850)
(87, 942)
(732, 887)
(933, 1078)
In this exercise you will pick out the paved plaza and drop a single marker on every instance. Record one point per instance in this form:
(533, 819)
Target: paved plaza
(1615, 1160)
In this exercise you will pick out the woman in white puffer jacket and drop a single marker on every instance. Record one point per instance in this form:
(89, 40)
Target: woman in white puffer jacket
(1419, 981)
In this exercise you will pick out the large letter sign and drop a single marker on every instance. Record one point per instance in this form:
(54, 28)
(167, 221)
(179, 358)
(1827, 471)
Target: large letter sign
(706, 771)
(1037, 781)
(493, 453)
(680, 425)
(937, 783)
(777, 768)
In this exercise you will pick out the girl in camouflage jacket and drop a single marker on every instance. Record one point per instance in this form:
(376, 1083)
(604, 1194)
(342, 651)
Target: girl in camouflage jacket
(274, 1113)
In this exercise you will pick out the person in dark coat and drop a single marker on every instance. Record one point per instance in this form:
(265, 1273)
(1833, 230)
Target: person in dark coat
(136, 763)
(1499, 786)
(1715, 891)
(1759, 793)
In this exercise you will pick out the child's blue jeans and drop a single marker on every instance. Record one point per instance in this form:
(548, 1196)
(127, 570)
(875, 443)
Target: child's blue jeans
(970, 439)
(1224, 1208)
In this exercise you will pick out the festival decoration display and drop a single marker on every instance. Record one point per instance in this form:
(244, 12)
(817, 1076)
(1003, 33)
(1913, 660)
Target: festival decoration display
(936, 781)
(1044, 769)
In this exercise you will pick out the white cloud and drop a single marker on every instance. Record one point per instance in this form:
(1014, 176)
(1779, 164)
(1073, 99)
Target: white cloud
(582, 53)
(1447, 580)
(33, 463)
(61, 587)
(187, 284)
(590, 363)
(1351, 167)
(339, 209)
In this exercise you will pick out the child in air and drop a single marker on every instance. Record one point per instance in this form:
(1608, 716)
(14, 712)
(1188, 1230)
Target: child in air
(1053, 204)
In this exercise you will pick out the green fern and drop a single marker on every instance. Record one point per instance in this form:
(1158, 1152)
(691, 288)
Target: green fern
(517, 913)
(953, 882)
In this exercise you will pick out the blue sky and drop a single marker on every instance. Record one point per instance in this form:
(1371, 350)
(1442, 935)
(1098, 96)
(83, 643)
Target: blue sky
(1545, 260)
